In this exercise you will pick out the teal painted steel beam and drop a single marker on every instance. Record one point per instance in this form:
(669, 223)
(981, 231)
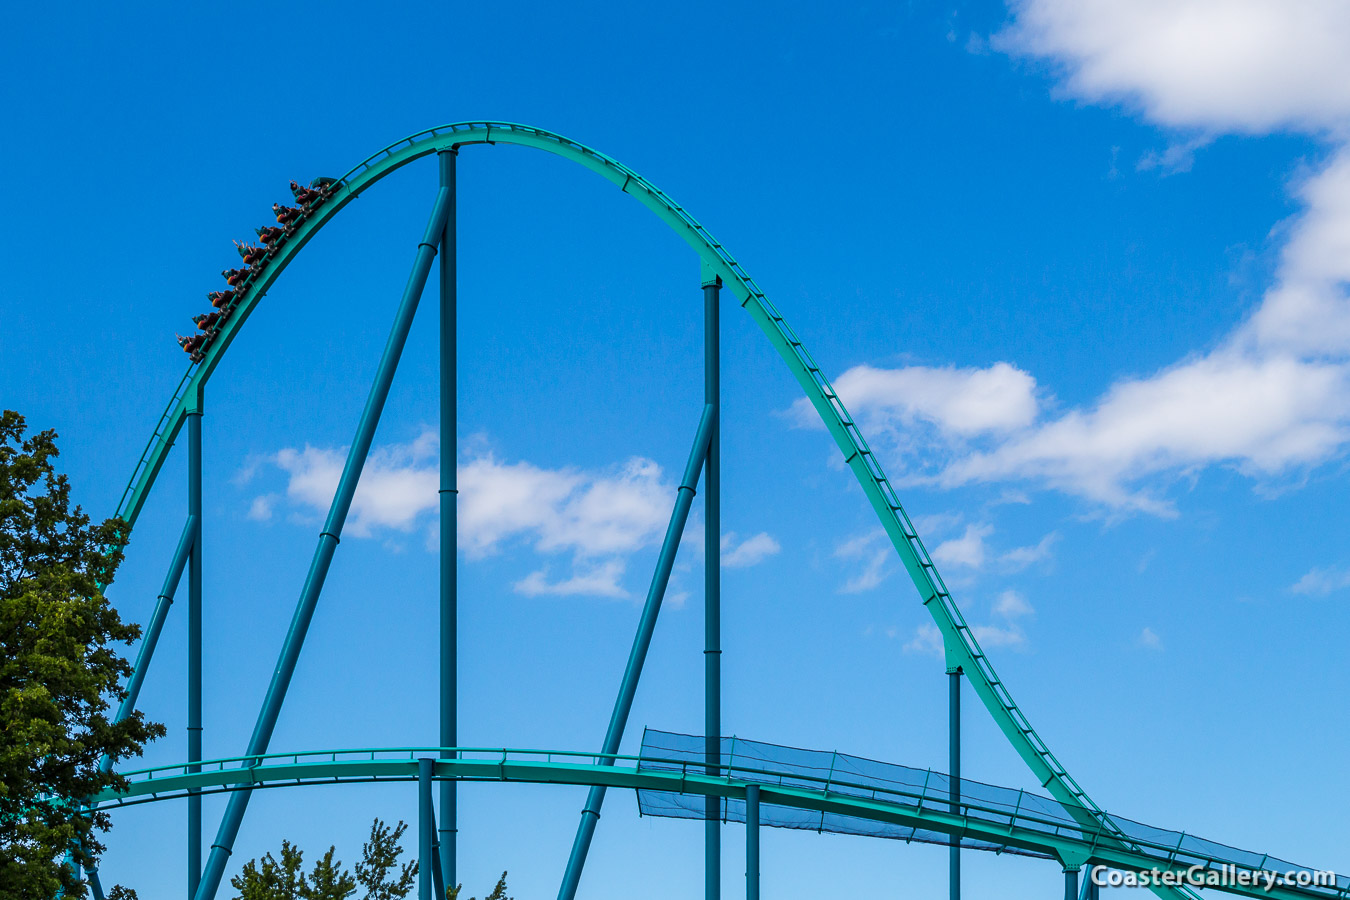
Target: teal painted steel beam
(144, 655)
(426, 867)
(436, 867)
(623, 704)
(1071, 884)
(954, 774)
(448, 502)
(1028, 831)
(194, 641)
(961, 645)
(752, 842)
(150, 638)
(328, 540)
(712, 587)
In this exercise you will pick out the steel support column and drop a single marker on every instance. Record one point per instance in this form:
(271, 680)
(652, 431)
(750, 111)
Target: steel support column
(194, 643)
(145, 654)
(426, 867)
(449, 494)
(1070, 883)
(328, 540)
(152, 631)
(954, 775)
(752, 842)
(712, 588)
(623, 704)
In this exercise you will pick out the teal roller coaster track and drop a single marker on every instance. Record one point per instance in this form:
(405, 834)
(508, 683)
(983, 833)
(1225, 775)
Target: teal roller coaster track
(1065, 826)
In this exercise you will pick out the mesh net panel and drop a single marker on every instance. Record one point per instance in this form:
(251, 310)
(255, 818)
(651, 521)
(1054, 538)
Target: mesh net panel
(814, 770)
(838, 774)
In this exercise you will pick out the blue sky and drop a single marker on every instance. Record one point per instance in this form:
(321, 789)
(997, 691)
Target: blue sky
(1078, 268)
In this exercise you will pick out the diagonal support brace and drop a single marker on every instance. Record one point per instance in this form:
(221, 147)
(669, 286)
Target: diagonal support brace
(623, 705)
(328, 540)
(186, 542)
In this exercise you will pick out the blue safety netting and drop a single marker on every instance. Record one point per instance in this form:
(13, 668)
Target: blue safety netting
(760, 763)
(837, 773)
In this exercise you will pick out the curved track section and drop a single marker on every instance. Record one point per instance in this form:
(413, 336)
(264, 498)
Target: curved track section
(1024, 830)
(962, 649)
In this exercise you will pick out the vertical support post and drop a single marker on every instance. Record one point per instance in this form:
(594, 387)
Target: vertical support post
(637, 656)
(449, 495)
(328, 541)
(954, 776)
(1093, 889)
(1070, 883)
(752, 842)
(143, 658)
(194, 642)
(712, 587)
(426, 867)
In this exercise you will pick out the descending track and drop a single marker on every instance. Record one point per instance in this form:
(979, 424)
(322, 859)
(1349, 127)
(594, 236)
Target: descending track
(963, 651)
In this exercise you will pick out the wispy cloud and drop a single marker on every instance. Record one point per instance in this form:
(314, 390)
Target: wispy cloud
(1149, 640)
(1271, 399)
(597, 517)
(1019, 558)
(600, 581)
(749, 552)
(1012, 605)
(260, 510)
(1211, 66)
(874, 555)
(1002, 629)
(960, 402)
(1318, 582)
(967, 550)
(926, 641)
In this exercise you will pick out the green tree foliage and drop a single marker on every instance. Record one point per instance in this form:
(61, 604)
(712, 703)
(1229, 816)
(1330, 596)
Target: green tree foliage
(60, 667)
(498, 892)
(270, 879)
(378, 872)
(379, 860)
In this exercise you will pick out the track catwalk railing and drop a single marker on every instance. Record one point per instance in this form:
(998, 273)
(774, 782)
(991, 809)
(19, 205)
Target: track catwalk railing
(1032, 827)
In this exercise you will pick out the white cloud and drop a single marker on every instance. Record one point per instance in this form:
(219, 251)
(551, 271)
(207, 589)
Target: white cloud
(1149, 640)
(1019, 558)
(927, 640)
(589, 513)
(1319, 582)
(260, 510)
(874, 551)
(600, 581)
(1307, 312)
(967, 550)
(972, 551)
(959, 402)
(999, 636)
(1002, 631)
(1270, 399)
(1012, 605)
(1263, 415)
(595, 513)
(398, 484)
(602, 514)
(1246, 66)
(751, 551)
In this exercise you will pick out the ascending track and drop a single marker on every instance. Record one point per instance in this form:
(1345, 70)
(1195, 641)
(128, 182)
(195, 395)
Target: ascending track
(962, 649)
